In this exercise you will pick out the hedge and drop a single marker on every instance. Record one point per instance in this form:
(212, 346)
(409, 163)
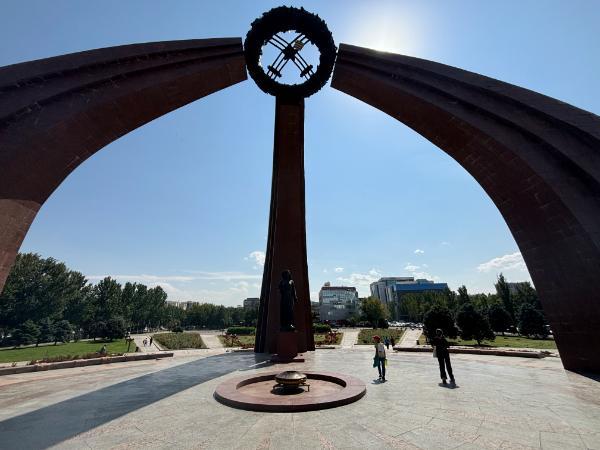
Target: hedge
(242, 331)
(319, 328)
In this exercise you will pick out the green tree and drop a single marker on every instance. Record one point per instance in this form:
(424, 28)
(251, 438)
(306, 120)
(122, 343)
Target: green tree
(36, 289)
(373, 310)
(26, 334)
(531, 322)
(439, 316)
(499, 318)
(463, 296)
(473, 325)
(115, 328)
(62, 331)
(526, 295)
(106, 299)
(504, 294)
(47, 329)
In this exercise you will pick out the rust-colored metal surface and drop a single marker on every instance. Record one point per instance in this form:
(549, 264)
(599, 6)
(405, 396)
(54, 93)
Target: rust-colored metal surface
(286, 242)
(536, 157)
(57, 112)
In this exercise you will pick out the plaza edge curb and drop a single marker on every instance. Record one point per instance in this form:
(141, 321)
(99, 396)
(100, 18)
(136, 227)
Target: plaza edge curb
(521, 354)
(81, 363)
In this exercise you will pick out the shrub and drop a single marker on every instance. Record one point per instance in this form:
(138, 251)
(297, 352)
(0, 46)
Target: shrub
(473, 325)
(242, 331)
(531, 322)
(439, 317)
(320, 328)
(179, 341)
(366, 336)
(177, 329)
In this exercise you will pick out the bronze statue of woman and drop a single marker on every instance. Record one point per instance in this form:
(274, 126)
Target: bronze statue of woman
(287, 289)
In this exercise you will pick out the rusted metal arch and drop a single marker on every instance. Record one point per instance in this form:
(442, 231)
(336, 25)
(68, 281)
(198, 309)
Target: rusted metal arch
(536, 157)
(57, 112)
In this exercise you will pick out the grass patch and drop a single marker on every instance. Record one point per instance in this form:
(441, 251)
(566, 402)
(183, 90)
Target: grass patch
(54, 352)
(248, 341)
(366, 336)
(240, 341)
(179, 341)
(321, 339)
(505, 341)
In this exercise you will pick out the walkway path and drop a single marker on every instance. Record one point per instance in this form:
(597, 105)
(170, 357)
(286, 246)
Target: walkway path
(211, 341)
(409, 338)
(350, 337)
(138, 339)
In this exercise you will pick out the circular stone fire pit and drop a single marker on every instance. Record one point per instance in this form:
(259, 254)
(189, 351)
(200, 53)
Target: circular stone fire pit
(265, 392)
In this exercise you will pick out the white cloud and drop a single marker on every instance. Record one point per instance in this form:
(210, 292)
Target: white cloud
(506, 262)
(418, 273)
(338, 269)
(361, 279)
(144, 278)
(419, 251)
(196, 275)
(257, 256)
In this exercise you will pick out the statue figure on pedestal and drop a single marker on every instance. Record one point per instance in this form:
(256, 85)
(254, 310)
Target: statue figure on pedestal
(287, 289)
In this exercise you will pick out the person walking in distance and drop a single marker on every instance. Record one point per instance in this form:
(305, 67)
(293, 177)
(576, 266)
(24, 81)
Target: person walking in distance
(440, 351)
(387, 342)
(151, 341)
(380, 358)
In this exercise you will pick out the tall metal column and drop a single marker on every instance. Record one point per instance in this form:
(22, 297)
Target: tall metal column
(286, 245)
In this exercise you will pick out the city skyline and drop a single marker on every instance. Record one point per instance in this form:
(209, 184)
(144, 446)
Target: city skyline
(183, 201)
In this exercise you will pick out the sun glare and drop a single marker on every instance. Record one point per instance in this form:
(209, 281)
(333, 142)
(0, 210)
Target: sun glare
(388, 29)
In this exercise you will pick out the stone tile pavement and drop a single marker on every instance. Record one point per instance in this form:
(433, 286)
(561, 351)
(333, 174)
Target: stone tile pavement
(498, 403)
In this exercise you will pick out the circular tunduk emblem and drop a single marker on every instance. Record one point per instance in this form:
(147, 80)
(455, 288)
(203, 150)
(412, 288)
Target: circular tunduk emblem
(289, 52)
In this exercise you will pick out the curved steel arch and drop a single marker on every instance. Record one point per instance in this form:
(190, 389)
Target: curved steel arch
(536, 157)
(57, 112)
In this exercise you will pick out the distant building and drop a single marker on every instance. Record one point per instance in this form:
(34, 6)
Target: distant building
(337, 302)
(417, 286)
(392, 288)
(183, 305)
(379, 288)
(251, 303)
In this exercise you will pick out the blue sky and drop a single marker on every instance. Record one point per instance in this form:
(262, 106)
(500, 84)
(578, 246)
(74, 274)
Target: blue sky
(183, 201)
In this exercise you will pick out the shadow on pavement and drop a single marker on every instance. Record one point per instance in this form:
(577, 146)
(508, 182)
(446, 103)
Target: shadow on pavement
(53, 424)
(449, 385)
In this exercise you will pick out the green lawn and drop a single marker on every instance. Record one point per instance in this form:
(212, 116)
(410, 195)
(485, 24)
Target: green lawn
(244, 340)
(179, 341)
(365, 337)
(72, 348)
(505, 341)
(248, 341)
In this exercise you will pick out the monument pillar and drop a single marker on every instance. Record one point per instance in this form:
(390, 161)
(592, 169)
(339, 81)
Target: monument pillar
(286, 243)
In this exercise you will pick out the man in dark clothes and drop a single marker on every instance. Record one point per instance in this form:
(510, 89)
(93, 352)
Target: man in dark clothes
(440, 346)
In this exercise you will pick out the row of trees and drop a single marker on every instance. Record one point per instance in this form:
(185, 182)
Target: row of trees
(476, 317)
(44, 301)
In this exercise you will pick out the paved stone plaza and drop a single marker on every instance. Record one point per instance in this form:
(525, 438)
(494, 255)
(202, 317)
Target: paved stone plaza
(498, 403)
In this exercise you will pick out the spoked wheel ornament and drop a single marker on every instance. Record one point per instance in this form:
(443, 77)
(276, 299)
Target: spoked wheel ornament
(270, 31)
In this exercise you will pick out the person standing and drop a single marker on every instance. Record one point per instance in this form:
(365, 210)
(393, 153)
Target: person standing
(151, 341)
(387, 342)
(380, 358)
(440, 349)
(393, 341)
